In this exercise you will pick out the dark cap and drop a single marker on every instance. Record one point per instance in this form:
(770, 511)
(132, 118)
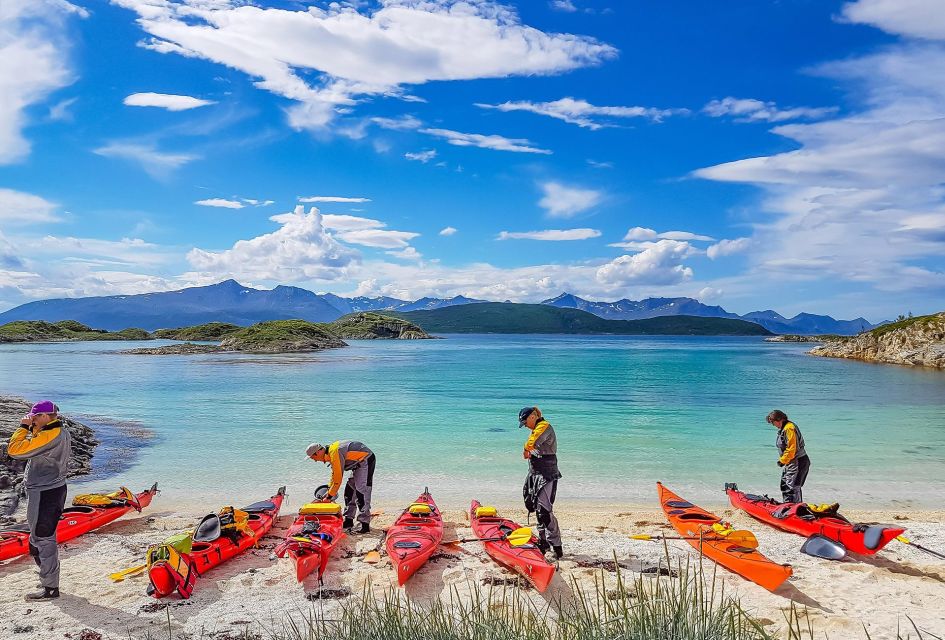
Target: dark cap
(523, 415)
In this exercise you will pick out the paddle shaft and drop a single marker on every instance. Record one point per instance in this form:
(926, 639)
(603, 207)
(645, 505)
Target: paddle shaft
(905, 540)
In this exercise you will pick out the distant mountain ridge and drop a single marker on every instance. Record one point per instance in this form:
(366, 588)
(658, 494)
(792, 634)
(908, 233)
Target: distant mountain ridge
(231, 302)
(802, 323)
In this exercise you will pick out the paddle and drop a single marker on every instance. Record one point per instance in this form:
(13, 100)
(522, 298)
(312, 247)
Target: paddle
(905, 540)
(374, 556)
(741, 538)
(821, 546)
(516, 538)
(124, 573)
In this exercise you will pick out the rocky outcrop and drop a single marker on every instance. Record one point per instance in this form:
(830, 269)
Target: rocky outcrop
(797, 338)
(282, 336)
(63, 331)
(916, 341)
(374, 326)
(11, 471)
(185, 349)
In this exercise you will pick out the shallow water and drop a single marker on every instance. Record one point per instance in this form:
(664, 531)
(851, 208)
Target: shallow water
(627, 410)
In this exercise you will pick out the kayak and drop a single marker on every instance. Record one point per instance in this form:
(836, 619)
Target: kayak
(74, 522)
(204, 556)
(312, 537)
(414, 536)
(526, 560)
(797, 517)
(695, 525)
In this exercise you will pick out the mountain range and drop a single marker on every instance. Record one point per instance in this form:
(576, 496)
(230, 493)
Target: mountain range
(229, 301)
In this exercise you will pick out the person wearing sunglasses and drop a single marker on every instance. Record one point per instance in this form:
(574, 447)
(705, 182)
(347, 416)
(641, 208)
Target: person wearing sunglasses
(541, 483)
(793, 456)
(45, 443)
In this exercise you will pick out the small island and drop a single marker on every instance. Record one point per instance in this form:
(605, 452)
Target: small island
(790, 337)
(63, 331)
(918, 341)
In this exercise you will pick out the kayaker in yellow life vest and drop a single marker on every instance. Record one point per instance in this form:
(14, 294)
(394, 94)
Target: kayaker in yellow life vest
(793, 456)
(541, 483)
(354, 456)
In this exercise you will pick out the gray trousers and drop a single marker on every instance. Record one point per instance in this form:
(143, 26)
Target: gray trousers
(547, 522)
(792, 479)
(358, 491)
(43, 509)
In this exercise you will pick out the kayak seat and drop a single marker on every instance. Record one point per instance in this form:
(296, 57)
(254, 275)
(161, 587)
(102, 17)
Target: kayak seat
(78, 510)
(783, 512)
(680, 504)
(256, 507)
(676, 512)
(209, 529)
(406, 544)
(756, 498)
(705, 517)
(873, 536)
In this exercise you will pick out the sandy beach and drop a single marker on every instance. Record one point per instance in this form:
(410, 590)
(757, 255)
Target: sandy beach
(842, 598)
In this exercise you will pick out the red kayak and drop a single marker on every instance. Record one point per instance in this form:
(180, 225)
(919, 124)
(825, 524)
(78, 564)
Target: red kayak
(74, 522)
(414, 536)
(316, 532)
(797, 517)
(180, 571)
(526, 560)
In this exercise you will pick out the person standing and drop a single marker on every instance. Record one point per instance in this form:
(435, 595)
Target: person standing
(541, 483)
(353, 456)
(793, 456)
(45, 443)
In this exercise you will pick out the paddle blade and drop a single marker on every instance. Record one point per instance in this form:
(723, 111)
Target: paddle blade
(642, 536)
(903, 540)
(520, 536)
(125, 573)
(822, 547)
(743, 539)
(372, 557)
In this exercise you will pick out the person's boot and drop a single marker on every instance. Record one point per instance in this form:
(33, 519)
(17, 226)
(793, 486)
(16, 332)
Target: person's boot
(348, 523)
(46, 593)
(559, 552)
(543, 546)
(365, 528)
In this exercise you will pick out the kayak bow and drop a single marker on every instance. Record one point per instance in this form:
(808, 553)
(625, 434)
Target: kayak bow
(414, 536)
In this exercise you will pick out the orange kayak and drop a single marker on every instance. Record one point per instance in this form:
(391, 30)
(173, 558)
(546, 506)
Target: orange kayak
(414, 537)
(526, 560)
(695, 525)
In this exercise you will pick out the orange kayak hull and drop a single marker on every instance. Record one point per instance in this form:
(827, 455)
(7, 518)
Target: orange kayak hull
(526, 560)
(412, 539)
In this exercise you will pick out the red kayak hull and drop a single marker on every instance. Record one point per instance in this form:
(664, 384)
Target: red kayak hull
(855, 538)
(75, 521)
(526, 560)
(407, 532)
(695, 524)
(207, 555)
(314, 557)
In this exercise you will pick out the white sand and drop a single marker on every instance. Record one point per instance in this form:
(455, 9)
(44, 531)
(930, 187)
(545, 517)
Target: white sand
(841, 597)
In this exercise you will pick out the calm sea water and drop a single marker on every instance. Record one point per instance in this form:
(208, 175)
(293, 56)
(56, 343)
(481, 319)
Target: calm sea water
(628, 411)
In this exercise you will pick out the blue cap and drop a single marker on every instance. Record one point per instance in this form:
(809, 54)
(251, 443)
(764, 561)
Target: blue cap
(523, 415)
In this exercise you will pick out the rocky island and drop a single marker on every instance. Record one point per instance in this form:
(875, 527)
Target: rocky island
(11, 471)
(918, 341)
(63, 331)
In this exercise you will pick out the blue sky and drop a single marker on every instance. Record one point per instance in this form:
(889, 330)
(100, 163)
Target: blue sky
(786, 155)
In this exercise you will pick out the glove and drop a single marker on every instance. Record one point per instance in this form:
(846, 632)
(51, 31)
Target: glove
(780, 464)
(526, 454)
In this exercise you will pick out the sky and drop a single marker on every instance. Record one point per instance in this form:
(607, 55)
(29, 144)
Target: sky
(785, 155)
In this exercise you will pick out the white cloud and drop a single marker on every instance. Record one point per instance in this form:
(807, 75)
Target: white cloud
(447, 231)
(421, 156)
(640, 233)
(499, 143)
(402, 123)
(660, 264)
(300, 249)
(708, 294)
(168, 101)
(407, 253)
(258, 203)
(728, 247)
(911, 18)
(34, 53)
(382, 238)
(561, 201)
(685, 235)
(60, 112)
(156, 163)
(340, 222)
(638, 238)
(220, 202)
(563, 5)
(600, 165)
(20, 208)
(333, 199)
(751, 110)
(354, 54)
(550, 234)
(582, 112)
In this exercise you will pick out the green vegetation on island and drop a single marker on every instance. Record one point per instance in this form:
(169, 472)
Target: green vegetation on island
(918, 341)
(63, 331)
(209, 332)
(372, 326)
(277, 336)
(503, 317)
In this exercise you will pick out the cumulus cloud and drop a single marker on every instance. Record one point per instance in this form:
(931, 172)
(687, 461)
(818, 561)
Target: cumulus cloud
(20, 208)
(447, 231)
(562, 201)
(563, 5)
(728, 247)
(407, 253)
(421, 156)
(340, 222)
(639, 238)
(550, 234)
(751, 110)
(911, 18)
(381, 238)
(353, 53)
(220, 202)
(168, 101)
(401, 123)
(34, 62)
(660, 264)
(582, 112)
(157, 164)
(498, 143)
(300, 249)
(333, 199)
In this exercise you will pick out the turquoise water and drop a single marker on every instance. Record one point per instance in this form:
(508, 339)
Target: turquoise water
(628, 411)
